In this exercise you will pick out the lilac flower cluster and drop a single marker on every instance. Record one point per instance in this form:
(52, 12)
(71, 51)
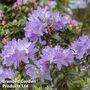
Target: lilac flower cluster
(55, 55)
(16, 51)
(58, 56)
(81, 46)
(6, 73)
(31, 71)
(40, 20)
(42, 68)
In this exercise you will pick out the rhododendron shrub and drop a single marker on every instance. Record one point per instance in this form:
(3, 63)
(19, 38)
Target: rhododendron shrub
(49, 49)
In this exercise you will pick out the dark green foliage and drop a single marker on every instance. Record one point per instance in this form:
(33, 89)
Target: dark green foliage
(7, 2)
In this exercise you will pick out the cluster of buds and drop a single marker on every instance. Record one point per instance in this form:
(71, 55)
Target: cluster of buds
(71, 22)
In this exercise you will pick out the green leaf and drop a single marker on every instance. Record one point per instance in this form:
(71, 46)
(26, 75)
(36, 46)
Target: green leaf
(77, 70)
(37, 88)
(72, 86)
(82, 82)
(53, 19)
(1, 45)
(19, 77)
(44, 1)
(1, 7)
(65, 2)
(48, 88)
(88, 81)
(56, 36)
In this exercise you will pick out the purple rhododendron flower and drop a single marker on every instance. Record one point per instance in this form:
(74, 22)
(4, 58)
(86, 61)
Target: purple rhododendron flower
(44, 63)
(57, 56)
(62, 57)
(81, 46)
(59, 23)
(55, 20)
(2, 78)
(31, 71)
(44, 71)
(45, 75)
(47, 55)
(35, 28)
(16, 51)
(6, 74)
(40, 19)
(88, 51)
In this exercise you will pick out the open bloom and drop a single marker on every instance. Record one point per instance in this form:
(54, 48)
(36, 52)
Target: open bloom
(16, 51)
(31, 71)
(62, 57)
(81, 46)
(56, 55)
(6, 74)
(40, 19)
